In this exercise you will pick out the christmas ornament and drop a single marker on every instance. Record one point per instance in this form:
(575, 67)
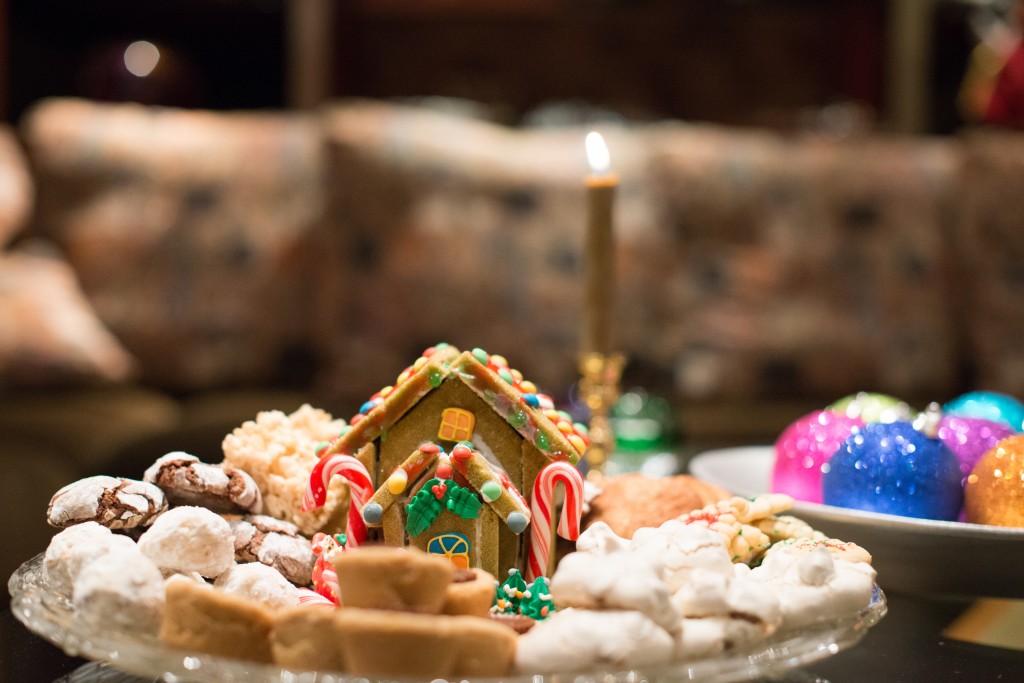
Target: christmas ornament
(970, 438)
(872, 407)
(895, 469)
(994, 493)
(803, 447)
(988, 405)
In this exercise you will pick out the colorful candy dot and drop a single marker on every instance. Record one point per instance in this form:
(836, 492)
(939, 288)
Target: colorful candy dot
(420, 362)
(480, 355)
(321, 447)
(461, 452)
(577, 442)
(356, 419)
(373, 513)
(542, 441)
(528, 387)
(531, 400)
(429, 447)
(517, 522)
(444, 470)
(397, 481)
(491, 491)
(506, 375)
(435, 377)
(516, 417)
(367, 407)
(499, 360)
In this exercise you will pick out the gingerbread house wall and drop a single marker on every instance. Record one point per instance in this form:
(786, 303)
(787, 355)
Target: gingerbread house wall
(421, 422)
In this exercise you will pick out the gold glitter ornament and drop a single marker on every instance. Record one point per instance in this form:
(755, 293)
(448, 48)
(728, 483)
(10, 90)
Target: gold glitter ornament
(994, 492)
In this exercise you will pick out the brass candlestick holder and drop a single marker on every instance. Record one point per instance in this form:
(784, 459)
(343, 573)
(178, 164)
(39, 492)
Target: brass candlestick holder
(599, 389)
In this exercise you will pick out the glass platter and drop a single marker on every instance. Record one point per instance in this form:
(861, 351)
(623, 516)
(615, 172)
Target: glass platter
(916, 556)
(49, 615)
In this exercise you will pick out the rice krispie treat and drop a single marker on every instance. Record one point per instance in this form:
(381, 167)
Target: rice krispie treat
(185, 480)
(190, 539)
(122, 589)
(75, 547)
(114, 502)
(279, 451)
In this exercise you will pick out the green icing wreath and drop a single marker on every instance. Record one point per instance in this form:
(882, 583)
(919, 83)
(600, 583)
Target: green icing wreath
(424, 507)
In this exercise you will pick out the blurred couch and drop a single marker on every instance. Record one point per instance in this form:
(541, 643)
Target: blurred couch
(167, 273)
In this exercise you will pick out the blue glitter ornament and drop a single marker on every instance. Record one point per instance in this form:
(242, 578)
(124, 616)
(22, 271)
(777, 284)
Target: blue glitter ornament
(988, 405)
(894, 469)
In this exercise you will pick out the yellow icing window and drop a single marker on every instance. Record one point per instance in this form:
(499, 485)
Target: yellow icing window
(456, 425)
(453, 546)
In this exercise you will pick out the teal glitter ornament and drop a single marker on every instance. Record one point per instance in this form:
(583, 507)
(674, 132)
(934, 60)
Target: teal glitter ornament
(895, 469)
(988, 405)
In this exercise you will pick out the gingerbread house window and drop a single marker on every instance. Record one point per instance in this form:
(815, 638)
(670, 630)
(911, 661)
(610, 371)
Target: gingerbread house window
(453, 546)
(456, 425)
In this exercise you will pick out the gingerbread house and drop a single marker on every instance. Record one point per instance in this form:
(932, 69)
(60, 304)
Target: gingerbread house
(454, 448)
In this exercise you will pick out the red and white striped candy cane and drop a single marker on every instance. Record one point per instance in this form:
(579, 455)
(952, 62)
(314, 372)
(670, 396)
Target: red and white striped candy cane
(359, 485)
(542, 509)
(314, 599)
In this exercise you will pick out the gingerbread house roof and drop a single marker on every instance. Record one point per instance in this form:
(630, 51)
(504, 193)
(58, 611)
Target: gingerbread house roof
(503, 389)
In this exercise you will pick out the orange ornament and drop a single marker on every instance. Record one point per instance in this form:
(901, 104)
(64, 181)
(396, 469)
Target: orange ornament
(994, 492)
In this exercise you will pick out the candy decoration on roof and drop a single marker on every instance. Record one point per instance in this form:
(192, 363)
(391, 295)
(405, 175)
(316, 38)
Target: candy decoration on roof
(542, 509)
(360, 488)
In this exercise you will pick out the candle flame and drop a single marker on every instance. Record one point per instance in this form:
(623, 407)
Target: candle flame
(597, 154)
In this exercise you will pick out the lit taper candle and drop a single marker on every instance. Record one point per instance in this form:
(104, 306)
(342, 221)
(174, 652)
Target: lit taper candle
(600, 248)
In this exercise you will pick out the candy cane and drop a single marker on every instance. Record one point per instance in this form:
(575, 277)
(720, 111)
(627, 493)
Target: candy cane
(313, 599)
(359, 485)
(542, 509)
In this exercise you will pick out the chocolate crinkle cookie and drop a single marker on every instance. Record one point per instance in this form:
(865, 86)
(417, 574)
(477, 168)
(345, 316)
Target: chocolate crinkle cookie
(275, 543)
(114, 502)
(220, 488)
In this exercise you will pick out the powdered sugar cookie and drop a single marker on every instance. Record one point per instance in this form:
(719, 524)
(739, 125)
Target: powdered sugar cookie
(584, 640)
(600, 539)
(622, 580)
(73, 548)
(258, 582)
(122, 589)
(114, 502)
(275, 543)
(188, 481)
(845, 550)
(814, 586)
(756, 612)
(681, 548)
(190, 539)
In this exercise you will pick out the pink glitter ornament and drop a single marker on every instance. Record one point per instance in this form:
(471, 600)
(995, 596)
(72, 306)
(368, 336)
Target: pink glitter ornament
(802, 449)
(970, 438)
